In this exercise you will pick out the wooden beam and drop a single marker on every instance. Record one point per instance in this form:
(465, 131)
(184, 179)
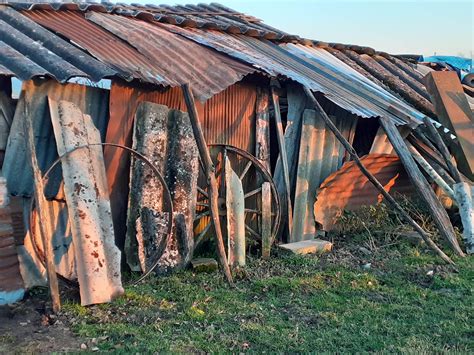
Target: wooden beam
(266, 220)
(211, 178)
(454, 113)
(284, 160)
(373, 180)
(438, 213)
(262, 123)
(44, 212)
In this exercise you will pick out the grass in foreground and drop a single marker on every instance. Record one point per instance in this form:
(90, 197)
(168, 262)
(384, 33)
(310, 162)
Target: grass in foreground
(296, 304)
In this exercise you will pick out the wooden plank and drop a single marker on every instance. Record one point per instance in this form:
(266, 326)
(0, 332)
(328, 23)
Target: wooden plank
(454, 113)
(284, 160)
(211, 178)
(437, 211)
(44, 212)
(87, 197)
(266, 230)
(262, 123)
(235, 205)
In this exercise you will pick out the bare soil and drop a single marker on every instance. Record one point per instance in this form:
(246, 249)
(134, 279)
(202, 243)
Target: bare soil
(29, 327)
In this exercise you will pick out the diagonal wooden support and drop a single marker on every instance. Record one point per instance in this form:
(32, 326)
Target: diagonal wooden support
(372, 178)
(211, 178)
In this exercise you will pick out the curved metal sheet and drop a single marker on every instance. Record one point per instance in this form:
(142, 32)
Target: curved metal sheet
(349, 189)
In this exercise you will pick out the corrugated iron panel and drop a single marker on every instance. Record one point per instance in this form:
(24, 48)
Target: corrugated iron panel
(228, 117)
(180, 60)
(349, 189)
(213, 16)
(99, 43)
(29, 50)
(92, 101)
(377, 100)
(312, 67)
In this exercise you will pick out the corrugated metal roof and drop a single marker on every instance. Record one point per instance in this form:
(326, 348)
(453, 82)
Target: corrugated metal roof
(213, 16)
(312, 67)
(132, 47)
(29, 50)
(179, 60)
(349, 189)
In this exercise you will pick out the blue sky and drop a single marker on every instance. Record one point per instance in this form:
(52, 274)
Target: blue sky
(403, 26)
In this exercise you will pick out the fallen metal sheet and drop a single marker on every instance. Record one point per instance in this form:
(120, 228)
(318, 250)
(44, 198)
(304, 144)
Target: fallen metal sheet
(28, 50)
(166, 135)
(7, 111)
(181, 61)
(213, 16)
(340, 83)
(33, 99)
(348, 189)
(235, 211)
(85, 185)
(320, 154)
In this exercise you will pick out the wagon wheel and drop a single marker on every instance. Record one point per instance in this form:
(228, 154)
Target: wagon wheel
(252, 174)
(164, 232)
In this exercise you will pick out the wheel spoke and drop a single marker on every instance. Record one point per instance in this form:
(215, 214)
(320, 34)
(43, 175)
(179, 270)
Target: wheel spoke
(202, 192)
(201, 236)
(203, 214)
(251, 231)
(247, 167)
(254, 192)
(249, 210)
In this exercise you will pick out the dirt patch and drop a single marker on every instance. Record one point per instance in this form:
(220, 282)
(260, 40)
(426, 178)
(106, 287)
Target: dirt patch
(29, 327)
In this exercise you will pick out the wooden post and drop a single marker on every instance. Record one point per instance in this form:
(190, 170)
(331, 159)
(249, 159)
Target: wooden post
(45, 214)
(284, 159)
(211, 178)
(373, 180)
(266, 220)
(438, 212)
(235, 205)
(262, 123)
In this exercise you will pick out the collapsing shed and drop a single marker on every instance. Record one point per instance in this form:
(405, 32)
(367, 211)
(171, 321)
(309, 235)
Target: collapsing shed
(248, 79)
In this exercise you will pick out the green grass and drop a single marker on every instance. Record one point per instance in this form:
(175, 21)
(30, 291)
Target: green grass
(296, 304)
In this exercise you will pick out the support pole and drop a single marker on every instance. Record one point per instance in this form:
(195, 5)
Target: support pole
(44, 212)
(373, 180)
(211, 178)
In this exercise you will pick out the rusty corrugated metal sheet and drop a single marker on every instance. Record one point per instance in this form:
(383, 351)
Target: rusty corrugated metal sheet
(180, 61)
(213, 16)
(316, 69)
(349, 189)
(28, 50)
(228, 117)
